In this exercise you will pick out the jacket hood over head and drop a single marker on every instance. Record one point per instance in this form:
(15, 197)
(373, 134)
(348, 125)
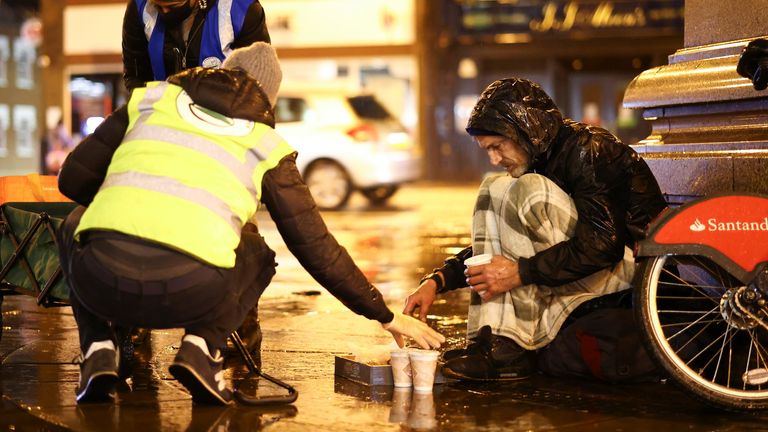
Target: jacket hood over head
(230, 92)
(513, 105)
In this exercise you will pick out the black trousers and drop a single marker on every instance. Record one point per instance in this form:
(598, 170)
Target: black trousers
(115, 286)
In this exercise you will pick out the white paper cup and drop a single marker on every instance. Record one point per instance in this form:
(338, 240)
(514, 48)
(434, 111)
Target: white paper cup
(478, 260)
(423, 366)
(401, 368)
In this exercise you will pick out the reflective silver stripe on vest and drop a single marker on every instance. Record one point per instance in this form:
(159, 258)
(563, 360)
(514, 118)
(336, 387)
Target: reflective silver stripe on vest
(149, 15)
(226, 30)
(242, 170)
(268, 143)
(151, 96)
(169, 186)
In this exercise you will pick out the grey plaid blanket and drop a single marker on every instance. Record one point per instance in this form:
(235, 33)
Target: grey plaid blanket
(518, 218)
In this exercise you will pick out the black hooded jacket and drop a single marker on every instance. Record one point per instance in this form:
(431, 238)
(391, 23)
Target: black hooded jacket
(178, 55)
(614, 191)
(234, 94)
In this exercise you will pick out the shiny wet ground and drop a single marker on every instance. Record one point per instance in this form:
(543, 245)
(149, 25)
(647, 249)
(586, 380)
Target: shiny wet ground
(305, 327)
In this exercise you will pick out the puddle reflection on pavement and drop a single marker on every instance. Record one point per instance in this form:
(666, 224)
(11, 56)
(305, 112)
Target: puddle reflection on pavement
(305, 328)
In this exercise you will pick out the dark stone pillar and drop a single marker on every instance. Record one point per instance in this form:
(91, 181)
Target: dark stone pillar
(710, 127)
(427, 33)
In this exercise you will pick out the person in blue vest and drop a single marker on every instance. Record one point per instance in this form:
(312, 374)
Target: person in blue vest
(163, 37)
(166, 185)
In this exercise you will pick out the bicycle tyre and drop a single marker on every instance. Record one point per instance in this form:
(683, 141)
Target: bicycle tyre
(686, 326)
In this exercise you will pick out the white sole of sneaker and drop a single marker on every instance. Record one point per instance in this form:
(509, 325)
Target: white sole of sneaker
(200, 391)
(100, 388)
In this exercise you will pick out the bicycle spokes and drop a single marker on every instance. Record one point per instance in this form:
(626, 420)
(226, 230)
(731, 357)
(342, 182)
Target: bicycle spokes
(714, 324)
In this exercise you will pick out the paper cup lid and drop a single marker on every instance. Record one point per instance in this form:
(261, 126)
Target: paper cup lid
(423, 353)
(478, 259)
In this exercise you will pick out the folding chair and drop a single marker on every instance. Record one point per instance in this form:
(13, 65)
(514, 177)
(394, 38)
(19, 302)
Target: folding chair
(29, 253)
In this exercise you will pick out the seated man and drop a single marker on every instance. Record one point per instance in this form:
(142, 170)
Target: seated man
(169, 182)
(559, 225)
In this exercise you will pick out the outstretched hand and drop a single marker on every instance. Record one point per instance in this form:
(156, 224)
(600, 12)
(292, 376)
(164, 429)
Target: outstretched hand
(422, 299)
(420, 332)
(495, 278)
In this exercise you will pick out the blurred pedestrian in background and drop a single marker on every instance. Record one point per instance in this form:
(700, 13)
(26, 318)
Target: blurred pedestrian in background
(60, 143)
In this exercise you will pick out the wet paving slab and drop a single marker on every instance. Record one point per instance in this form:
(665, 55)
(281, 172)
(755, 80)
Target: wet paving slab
(301, 350)
(305, 328)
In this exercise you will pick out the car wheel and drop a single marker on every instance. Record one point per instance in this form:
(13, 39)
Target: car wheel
(378, 195)
(329, 184)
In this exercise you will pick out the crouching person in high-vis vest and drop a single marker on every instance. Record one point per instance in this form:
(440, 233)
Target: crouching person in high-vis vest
(167, 184)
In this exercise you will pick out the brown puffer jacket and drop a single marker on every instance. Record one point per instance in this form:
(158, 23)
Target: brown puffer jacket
(615, 193)
(287, 198)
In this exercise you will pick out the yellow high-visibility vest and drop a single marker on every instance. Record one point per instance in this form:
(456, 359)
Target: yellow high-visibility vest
(184, 176)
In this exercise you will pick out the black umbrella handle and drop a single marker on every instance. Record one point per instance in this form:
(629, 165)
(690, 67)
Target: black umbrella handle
(292, 395)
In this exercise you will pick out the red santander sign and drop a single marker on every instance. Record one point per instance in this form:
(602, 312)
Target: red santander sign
(736, 226)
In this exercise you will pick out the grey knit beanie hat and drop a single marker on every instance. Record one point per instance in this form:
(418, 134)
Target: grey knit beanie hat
(259, 60)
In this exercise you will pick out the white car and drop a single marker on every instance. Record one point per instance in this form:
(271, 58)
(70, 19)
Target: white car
(346, 142)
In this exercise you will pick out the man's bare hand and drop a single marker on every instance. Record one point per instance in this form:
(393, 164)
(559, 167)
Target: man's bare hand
(495, 278)
(422, 298)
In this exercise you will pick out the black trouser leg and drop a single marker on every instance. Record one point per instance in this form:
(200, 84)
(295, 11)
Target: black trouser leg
(90, 327)
(97, 292)
(254, 268)
(250, 330)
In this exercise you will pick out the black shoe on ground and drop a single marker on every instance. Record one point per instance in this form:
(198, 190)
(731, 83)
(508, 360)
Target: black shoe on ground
(472, 348)
(98, 377)
(491, 358)
(201, 374)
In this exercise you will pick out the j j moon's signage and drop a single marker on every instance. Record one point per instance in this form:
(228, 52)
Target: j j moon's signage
(558, 16)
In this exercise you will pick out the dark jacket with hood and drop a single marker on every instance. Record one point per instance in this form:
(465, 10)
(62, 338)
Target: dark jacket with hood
(614, 191)
(177, 55)
(234, 94)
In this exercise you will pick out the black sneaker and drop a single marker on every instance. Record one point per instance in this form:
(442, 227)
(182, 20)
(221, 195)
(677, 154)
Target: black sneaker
(476, 345)
(472, 348)
(493, 358)
(201, 374)
(98, 377)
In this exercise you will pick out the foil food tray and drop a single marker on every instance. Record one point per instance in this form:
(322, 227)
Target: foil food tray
(372, 375)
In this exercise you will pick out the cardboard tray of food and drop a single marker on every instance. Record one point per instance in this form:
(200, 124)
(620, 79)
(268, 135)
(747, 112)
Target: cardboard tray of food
(373, 375)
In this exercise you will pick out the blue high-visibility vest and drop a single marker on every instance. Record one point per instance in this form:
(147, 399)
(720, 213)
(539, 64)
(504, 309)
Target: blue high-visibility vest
(222, 25)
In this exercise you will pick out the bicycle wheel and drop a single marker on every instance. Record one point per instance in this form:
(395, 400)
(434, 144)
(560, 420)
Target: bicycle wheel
(705, 329)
